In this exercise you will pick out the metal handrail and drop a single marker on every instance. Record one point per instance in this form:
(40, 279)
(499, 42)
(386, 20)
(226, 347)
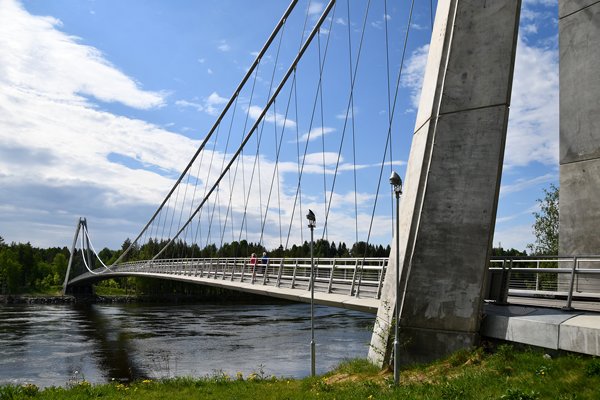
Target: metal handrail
(332, 275)
(570, 277)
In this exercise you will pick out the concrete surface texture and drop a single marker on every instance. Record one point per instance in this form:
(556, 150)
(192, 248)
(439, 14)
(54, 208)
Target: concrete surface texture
(451, 188)
(575, 331)
(579, 27)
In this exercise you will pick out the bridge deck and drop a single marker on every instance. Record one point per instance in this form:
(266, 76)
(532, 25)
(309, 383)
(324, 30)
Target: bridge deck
(348, 283)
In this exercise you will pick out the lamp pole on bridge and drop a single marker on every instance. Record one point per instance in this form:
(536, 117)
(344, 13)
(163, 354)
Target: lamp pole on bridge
(312, 222)
(396, 183)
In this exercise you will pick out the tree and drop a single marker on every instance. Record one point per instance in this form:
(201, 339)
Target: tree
(10, 271)
(545, 227)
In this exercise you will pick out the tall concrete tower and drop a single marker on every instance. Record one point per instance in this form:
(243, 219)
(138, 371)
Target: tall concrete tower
(579, 40)
(452, 182)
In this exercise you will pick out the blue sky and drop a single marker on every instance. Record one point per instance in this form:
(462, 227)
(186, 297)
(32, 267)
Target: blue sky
(102, 104)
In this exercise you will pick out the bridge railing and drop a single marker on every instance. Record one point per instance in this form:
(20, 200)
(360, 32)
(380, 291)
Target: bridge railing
(545, 277)
(358, 277)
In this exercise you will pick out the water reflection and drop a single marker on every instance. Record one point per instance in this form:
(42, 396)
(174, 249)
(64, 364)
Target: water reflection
(46, 344)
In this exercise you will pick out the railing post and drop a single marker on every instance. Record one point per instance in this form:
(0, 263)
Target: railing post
(381, 275)
(279, 273)
(354, 277)
(537, 276)
(294, 274)
(243, 270)
(362, 271)
(265, 272)
(331, 277)
(505, 277)
(570, 296)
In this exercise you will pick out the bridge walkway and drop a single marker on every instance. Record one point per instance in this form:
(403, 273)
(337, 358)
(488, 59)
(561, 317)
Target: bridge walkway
(353, 283)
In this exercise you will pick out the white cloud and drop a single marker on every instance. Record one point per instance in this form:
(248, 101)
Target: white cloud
(414, 72)
(522, 184)
(279, 119)
(316, 133)
(58, 147)
(190, 104)
(224, 46)
(315, 8)
(208, 104)
(515, 236)
(533, 124)
(329, 158)
(35, 56)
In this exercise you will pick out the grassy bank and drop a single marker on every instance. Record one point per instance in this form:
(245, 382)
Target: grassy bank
(506, 374)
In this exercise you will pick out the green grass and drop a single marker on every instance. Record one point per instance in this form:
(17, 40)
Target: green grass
(505, 374)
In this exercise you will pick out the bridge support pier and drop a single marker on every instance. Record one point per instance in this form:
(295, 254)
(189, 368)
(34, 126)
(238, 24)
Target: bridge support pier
(579, 25)
(452, 182)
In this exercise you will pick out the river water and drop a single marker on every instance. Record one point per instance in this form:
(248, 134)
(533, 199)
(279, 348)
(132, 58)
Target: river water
(53, 344)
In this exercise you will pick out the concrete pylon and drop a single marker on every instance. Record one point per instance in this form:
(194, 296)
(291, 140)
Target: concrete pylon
(579, 42)
(448, 209)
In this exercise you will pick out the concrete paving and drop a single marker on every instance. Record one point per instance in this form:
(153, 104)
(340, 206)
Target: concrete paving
(576, 331)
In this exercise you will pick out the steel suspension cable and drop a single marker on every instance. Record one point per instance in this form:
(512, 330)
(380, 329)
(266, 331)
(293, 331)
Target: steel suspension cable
(263, 112)
(350, 97)
(229, 176)
(353, 130)
(387, 63)
(277, 153)
(261, 53)
(314, 108)
(89, 240)
(391, 119)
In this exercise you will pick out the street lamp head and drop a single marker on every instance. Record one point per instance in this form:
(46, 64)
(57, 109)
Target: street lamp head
(396, 181)
(312, 220)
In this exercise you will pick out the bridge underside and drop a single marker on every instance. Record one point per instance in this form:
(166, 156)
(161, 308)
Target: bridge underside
(352, 283)
(366, 304)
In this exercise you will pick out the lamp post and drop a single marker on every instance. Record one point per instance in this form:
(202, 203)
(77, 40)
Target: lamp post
(396, 183)
(312, 222)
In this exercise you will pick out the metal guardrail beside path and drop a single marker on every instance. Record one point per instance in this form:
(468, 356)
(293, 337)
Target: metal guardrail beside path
(576, 277)
(349, 276)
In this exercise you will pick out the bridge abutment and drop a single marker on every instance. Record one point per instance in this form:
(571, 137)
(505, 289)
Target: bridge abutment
(579, 25)
(448, 209)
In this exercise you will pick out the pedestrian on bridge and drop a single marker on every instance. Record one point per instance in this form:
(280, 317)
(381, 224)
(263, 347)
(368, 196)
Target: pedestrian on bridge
(253, 266)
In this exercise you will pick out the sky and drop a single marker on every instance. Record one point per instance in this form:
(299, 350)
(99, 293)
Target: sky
(104, 102)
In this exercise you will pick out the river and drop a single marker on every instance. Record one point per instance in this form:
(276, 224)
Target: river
(51, 345)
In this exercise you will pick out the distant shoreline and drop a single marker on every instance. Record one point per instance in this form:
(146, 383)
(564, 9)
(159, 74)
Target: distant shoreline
(121, 299)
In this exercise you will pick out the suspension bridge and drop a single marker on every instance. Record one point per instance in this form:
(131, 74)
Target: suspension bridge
(297, 134)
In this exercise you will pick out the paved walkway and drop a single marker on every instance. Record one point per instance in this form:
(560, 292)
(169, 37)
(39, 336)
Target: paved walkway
(577, 331)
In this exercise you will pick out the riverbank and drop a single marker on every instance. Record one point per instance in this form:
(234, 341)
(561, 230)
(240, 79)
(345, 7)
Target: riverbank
(142, 299)
(503, 374)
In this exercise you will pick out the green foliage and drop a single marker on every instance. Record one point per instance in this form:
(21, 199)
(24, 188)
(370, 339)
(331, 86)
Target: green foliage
(593, 369)
(457, 377)
(545, 227)
(24, 268)
(518, 394)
